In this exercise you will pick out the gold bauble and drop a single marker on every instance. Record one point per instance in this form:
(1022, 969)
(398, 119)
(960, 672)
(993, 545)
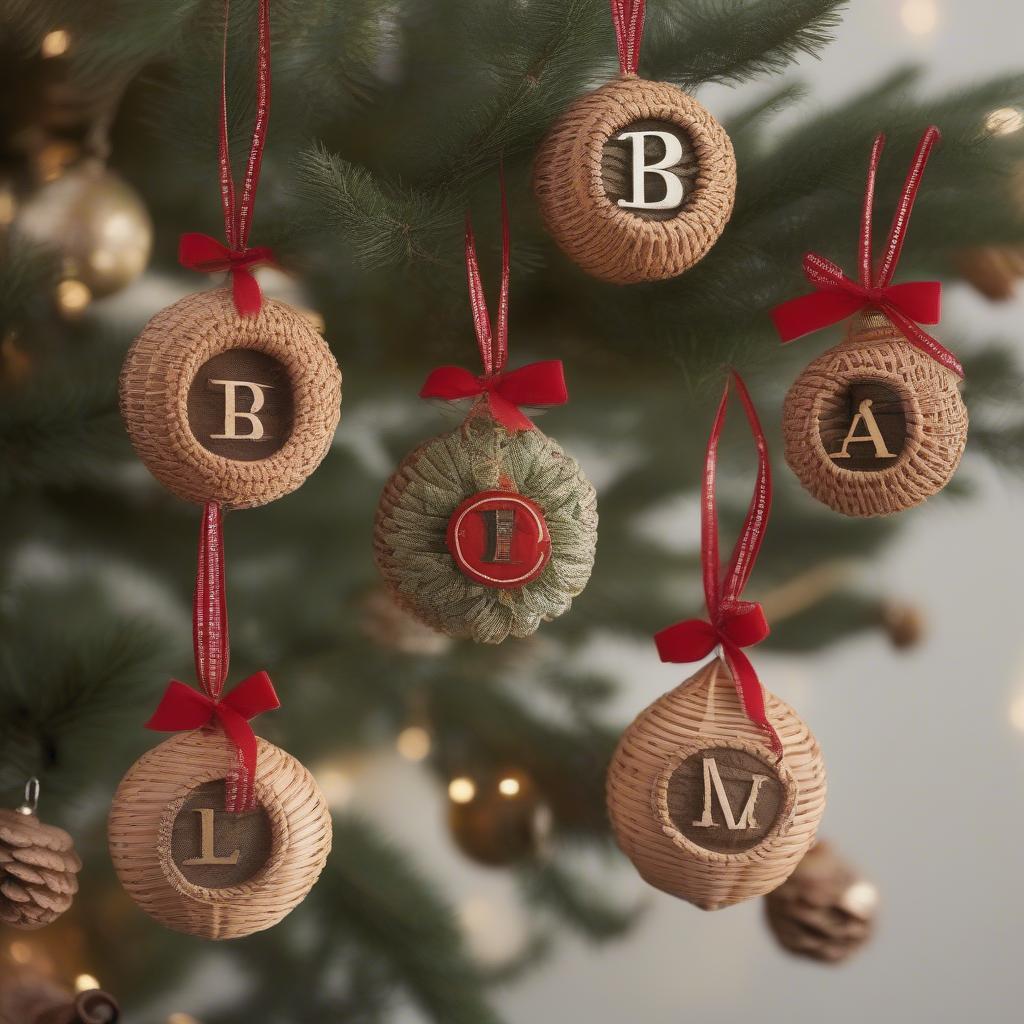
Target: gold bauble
(95, 221)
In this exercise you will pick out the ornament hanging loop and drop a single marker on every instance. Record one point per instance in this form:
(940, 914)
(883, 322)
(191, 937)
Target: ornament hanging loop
(31, 802)
(628, 18)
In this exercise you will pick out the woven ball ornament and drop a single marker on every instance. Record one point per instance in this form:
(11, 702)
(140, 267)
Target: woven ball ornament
(915, 402)
(230, 408)
(716, 790)
(876, 425)
(38, 867)
(636, 180)
(661, 783)
(421, 500)
(196, 868)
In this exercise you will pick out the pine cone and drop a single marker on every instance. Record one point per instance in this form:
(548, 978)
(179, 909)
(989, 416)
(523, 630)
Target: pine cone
(825, 910)
(38, 865)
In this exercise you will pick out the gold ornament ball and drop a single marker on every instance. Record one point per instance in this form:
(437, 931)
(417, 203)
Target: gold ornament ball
(825, 910)
(95, 221)
(498, 819)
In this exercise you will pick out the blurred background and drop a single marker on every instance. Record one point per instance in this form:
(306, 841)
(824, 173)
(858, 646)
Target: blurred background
(473, 879)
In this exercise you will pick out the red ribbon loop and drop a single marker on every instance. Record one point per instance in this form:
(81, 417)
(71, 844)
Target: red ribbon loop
(628, 18)
(836, 296)
(205, 254)
(208, 256)
(732, 622)
(185, 708)
(540, 383)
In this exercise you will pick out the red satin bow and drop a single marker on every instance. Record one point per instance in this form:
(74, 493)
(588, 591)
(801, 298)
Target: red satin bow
(732, 622)
(205, 254)
(181, 708)
(534, 384)
(208, 256)
(836, 296)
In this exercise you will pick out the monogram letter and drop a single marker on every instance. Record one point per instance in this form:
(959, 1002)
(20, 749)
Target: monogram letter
(500, 524)
(231, 415)
(874, 435)
(712, 778)
(673, 186)
(206, 854)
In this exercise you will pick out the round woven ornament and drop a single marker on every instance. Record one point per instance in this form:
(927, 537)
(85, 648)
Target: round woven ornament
(699, 803)
(195, 868)
(625, 138)
(896, 451)
(221, 407)
(432, 484)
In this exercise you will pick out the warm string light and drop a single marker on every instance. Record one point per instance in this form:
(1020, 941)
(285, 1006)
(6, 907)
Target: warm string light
(73, 297)
(1017, 713)
(920, 17)
(86, 983)
(8, 206)
(336, 786)
(55, 43)
(20, 952)
(461, 790)
(509, 787)
(413, 743)
(182, 1018)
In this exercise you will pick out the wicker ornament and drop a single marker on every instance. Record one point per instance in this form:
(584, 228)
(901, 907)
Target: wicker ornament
(914, 402)
(227, 408)
(197, 869)
(716, 790)
(824, 910)
(666, 785)
(489, 530)
(876, 425)
(38, 867)
(636, 180)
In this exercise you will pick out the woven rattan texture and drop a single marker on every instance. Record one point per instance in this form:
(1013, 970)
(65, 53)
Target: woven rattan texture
(935, 415)
(703, 712)
(419, 499)
(142, 817)
(159, 370)
(610, 242)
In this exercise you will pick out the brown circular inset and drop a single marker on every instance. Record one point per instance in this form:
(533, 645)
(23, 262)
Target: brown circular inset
(705, 714)
(164, 401)
(724, 799)
(617, 168)
(499, 539)
(574, 171)
(240, 405)
(934, 422)
(863, 428)
(214, 849)
(149, 857)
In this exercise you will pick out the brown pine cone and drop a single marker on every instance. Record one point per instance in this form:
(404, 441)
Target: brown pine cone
(38, 865)
(824, 910)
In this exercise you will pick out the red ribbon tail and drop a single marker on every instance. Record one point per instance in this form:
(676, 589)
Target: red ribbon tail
(923, 340)
(507, 413)
(241, 783)
(750, 693)
(686, 641)
(203, 253)
(246, 291)
(181, 708)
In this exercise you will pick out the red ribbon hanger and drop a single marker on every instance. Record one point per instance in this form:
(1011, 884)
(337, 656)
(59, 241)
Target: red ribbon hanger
(628, 17)
(732, 623)
(836, 296)
(203, 253)
(540, 383)
(182, 707)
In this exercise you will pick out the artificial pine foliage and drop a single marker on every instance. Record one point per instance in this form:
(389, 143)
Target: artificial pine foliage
(389, 118)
